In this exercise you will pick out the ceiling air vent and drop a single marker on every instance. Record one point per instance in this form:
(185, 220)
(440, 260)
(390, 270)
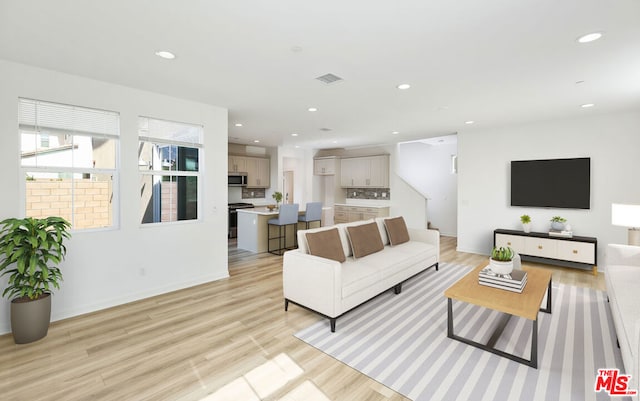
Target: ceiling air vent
(329, 79)
(325, 129)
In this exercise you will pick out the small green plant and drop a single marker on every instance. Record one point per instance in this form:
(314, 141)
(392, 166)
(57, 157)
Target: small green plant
(558, 219)
(277, 196)
(30, 250)
(525, 219)
(502, 254)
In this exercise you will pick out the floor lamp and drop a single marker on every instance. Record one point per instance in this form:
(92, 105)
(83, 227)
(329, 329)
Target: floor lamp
(627, 216)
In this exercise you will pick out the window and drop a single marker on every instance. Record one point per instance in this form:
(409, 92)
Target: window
(69, 158)
(168, 157)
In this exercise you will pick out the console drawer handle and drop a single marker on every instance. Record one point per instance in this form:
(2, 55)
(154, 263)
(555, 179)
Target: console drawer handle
(508, 243)
(575, 251)
(539, 246)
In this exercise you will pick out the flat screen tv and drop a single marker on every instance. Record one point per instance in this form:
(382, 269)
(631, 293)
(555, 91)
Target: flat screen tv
(557, 183)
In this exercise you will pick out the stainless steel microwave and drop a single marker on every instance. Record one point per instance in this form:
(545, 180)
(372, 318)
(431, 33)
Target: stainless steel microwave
(237, 180)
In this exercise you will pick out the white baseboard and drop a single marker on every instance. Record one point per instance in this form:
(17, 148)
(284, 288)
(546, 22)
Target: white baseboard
(109, 303)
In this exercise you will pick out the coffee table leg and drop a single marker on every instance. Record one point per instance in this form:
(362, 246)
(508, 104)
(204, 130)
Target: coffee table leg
(548, 308)
(534, 345)
(449, 318)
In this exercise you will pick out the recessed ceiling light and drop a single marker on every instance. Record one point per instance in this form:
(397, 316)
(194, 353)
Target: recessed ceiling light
(590, 37)
(297, 146)
(165, 54)
(403, 86)
(469, 122)
(238, 124)
(312, 109)
(294, 134)
(395, 132)
(587, 105)
(335, 141)
(256, 141)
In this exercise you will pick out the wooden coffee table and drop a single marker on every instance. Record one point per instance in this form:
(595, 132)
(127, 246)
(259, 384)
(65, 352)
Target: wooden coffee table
(525, 305)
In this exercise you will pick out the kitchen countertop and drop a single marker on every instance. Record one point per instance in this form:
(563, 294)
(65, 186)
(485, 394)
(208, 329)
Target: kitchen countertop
(372, 205)
(259, 210)
(263, 211)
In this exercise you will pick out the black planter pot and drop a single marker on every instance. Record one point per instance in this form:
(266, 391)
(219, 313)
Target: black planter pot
(30, 319)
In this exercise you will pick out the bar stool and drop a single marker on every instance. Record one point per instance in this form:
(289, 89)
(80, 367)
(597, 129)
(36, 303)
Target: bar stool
(311, 214)
(288, 215)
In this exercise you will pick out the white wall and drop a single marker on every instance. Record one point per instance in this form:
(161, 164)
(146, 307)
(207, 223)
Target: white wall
(405, 200)
(611, 141)
(107, 268)
(427, 168)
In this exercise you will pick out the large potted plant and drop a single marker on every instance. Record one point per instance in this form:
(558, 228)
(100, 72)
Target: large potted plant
(30, 251)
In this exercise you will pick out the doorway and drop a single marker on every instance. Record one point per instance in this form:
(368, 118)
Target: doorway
(287, 186)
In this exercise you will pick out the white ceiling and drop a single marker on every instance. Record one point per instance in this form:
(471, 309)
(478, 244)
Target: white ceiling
(492, 61)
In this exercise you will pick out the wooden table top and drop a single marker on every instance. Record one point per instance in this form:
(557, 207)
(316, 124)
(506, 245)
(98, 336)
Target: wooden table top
(525, 304)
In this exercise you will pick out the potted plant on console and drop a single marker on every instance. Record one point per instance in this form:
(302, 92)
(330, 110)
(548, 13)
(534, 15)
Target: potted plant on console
(30, 250)
(557, 223)
(501, 261)
(525, 219)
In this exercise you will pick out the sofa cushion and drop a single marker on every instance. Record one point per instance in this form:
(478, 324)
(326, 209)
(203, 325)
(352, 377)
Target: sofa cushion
(365, 239)
(326, 244)
(344, 236)
(358, 275)
(383, 230)
(397, 230)
(406, 255)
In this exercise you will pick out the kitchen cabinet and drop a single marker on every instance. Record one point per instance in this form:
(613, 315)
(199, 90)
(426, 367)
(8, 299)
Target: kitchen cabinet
(365, 172)
(348, 213)
(237, 164)
(258, 172)
(325, 166)
(573, 251)
(257, 168)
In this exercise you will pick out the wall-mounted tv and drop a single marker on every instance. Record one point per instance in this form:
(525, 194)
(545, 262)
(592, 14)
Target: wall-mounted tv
(559, 183)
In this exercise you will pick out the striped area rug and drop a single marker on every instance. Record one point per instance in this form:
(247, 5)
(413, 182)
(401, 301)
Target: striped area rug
(401, 341)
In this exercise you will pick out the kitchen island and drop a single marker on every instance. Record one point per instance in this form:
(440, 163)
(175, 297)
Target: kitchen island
(252, 229)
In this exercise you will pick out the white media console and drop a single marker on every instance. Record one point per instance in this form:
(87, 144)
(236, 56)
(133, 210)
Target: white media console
(580, 252)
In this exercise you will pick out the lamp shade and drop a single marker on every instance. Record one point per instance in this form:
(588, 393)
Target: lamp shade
(625, 215)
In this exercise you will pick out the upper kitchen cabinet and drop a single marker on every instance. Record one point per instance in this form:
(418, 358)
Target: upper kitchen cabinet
(365, 172)
(237, 164)
(258, 172)
(325, 165)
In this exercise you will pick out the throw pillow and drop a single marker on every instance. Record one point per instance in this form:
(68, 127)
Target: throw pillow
(365, 239)
(326, 244)
(397, 230)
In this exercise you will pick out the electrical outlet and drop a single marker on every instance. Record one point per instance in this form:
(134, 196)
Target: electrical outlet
(384, 194)
(251, 193)
(375, 194)
(355, 193)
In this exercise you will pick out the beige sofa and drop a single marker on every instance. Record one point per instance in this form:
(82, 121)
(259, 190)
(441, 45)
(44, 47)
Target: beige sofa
(622, 276)
(332, 288)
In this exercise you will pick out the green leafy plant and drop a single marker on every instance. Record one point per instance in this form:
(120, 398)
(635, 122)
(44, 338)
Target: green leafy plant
(525, 219)
(30, 250)
(277, 196)
(558, 219)
(502, 254)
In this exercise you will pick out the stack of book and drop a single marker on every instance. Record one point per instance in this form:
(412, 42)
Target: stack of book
(511, 282)
(563, 233)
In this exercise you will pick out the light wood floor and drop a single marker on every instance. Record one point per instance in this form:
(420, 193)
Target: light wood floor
(227, 337)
